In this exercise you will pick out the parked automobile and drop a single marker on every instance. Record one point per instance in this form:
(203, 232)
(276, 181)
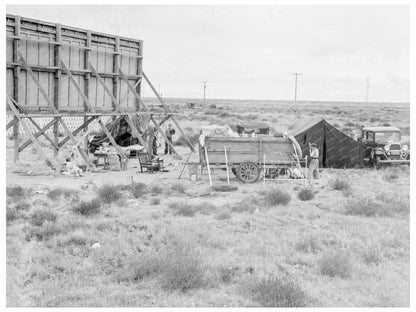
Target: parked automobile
(384, 146)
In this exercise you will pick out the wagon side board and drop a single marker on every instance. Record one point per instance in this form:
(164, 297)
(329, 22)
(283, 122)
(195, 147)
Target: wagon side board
(240, 150)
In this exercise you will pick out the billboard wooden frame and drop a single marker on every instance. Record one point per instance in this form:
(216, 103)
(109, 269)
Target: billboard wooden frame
(61, 80)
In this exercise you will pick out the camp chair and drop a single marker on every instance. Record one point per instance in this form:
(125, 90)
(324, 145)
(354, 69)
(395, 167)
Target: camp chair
(149, 164)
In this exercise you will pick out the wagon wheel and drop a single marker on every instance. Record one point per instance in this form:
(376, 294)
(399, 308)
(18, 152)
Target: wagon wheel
(248, 172)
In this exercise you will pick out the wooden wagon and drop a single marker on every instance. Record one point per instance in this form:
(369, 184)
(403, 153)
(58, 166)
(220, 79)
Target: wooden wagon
(248, 156)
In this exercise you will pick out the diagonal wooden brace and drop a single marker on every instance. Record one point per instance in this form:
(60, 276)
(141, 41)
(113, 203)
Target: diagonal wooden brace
(77, 130)
(164, 136)
(51, 163)
(114, 101)
(38, 134)
(53, 108)
(92, 109)
(167, 110)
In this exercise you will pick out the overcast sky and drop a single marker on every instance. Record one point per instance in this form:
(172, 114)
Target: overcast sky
(250, 52)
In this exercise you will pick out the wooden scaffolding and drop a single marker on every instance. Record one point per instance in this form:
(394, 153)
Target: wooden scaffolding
(56, 71)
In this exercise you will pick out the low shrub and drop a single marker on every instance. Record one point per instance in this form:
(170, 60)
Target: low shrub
(306, 193)
(58, 192)
(39, 216)
(393, 203)
(372, 255)
(43, 232)
(178, 188)
(138, 189)
(22, 206)
(87, 207)
(278, 291)
(340, 183)
(183, 267)
(243, 206)
(78, 238)
(390, 174)
(15, 191)
(205, 208)
(11, 214)
(224, 216)
(275, 197)
(364, 206)
(156, 189)
(109, 193)
(155, 201)
(138, 267)
(227, 273)
(308, 244)
(335, 263)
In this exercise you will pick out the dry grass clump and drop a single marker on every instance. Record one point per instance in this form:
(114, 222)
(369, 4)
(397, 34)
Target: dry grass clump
(137, 189)
(340, 183)
(276, 197)
(278, 291)
(183, 208)
(225, 215)
(183, 267)
(372, 254)
(243, 206)
(15, 191)
(335, 263)
(43, 232)
(39, 216)
(109, 193)
(22, 206)
(138, 267)
(61, 191)
(11, 214)
(87, 207)
(156, 189)
(390, 174)
(306, 193)
(308, 244)
(155, 201)
(77, 237)
(178, 187)
(383, 205)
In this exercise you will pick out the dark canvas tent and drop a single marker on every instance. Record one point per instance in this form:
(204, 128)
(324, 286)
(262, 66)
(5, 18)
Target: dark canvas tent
(336, 149)
(121, 131)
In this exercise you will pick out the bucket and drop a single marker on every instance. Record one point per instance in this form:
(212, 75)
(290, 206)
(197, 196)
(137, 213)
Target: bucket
(123, 164)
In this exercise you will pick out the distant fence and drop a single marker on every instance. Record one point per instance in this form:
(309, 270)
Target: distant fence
(72, 123)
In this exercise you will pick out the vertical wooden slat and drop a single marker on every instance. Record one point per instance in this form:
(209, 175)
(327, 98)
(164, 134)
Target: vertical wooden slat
(116, 64)
(57, 84)
(139, 72)
(87, 84)
(16, 77)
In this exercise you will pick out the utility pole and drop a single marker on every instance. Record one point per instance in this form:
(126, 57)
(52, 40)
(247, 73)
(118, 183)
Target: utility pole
(296, 85)
(367, 88)
(205, 86)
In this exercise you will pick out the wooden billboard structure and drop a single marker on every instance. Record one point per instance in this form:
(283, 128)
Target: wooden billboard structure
(55, 71)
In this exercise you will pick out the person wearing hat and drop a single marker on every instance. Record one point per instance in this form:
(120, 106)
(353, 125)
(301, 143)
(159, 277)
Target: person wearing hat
(314, 164)
(169, 134)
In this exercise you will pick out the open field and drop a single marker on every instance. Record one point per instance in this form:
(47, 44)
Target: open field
(137, 239)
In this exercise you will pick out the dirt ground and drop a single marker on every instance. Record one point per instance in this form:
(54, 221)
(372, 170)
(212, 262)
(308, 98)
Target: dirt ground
(230, 229)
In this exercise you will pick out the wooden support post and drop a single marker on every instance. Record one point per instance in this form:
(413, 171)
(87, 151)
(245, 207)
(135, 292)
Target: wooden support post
(164, 136)
(87, 84)
(127, 94)
(127, 117)
(166, 118)
(57, 83)
(139, 73)
(16, 78)
(51, 163)
(52, 107)
(136, 95)
(116, 65)
(167, 110)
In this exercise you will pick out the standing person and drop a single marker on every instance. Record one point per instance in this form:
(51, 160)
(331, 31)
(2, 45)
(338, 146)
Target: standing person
(314, 164)
(154, 142)
(169, 134)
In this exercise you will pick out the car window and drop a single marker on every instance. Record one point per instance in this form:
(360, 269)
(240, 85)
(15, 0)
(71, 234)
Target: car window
(387, 136)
